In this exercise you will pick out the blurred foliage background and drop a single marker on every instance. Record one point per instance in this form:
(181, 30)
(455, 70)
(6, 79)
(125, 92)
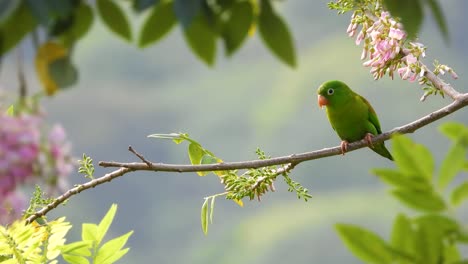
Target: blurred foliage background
(246, 101)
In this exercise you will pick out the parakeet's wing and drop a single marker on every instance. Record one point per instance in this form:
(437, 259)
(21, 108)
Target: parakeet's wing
(372, 115)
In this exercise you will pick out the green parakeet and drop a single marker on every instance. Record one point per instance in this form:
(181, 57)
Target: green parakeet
(350, 115)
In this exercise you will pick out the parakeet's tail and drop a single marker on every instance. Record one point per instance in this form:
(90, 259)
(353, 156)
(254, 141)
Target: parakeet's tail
(382, 151)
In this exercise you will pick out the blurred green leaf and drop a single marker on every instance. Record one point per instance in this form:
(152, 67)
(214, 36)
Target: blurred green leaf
(12, 32)
(209, 159)
(83, 19)
(75, 259)
(398, 179)
(439, 17)
(403, 234)
(212, 208)
(451, 254)
(275, 34)
(89, 232)
(410, 12)
(236, 29)
(141, 5)
(455, 131)
(47, 12)
(10, 111)
(452, 164)
(201, 40)
(80, 248)
(112, 251)
(459, 194)
(204, 217)
(7, 8)
(187, 11)
(411, 158)
(442, 223)
(364, 244)
(428, 241)
(158, 24)
(105, 223)
(114, 18)
(424, 201)
(63, 72)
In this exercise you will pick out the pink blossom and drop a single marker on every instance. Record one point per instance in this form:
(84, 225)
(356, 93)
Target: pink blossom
(11, 207)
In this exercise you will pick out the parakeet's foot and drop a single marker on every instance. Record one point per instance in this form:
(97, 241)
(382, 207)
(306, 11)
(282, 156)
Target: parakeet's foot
(368, 138)
(344, 146)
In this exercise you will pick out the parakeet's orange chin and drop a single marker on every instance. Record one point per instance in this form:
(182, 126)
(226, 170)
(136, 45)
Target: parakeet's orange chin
(322, 101)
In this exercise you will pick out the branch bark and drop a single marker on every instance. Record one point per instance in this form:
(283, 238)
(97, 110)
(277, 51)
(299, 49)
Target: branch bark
(460, 101)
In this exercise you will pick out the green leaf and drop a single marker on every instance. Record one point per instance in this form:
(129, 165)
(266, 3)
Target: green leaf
(114, 18)
(10, 111)
(364, 244)
(236, 29)
(411, 158)
(452, 164)
(105, 223)
(80, 248)
(141, 5)
(106, 253)
(428, 241)
(212, 208)
(201, 40)
(459, 194)
(204, 217)
(398, 179)
(158, 24)
(83, 20)
(451, 254)
(176, 137)
(439, 17)
(275, 34)
(410, 12)
(63, 72)
(454, 131)
(196, 152)
(49, 12)
(209, 159)
(439, 222)
(187, 11)
(15, 28)
(7, 8)
(75, 259)
(403, 235)
(88, 232)
(424, 201)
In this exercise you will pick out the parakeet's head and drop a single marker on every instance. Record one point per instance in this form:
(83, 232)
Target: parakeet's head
(333, 93)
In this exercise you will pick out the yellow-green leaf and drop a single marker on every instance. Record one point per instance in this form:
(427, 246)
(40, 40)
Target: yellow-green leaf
(204, 217)
(459, 194)
(105, 223)
(398, 179)
(411, 158)
(452, 164)
(421, 200)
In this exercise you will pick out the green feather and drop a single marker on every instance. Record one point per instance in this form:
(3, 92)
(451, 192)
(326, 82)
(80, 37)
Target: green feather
(351, 115)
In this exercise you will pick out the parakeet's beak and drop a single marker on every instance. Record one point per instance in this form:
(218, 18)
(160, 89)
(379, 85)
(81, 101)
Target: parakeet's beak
(322, 101)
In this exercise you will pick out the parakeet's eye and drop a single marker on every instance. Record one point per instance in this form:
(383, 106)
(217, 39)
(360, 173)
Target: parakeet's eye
(330, 91)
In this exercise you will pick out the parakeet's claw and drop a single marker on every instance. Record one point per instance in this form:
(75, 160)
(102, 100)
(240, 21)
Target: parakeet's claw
(368, 139)
(344, 146)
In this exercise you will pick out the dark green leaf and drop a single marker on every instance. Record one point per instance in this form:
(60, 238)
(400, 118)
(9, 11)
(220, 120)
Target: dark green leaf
(275, 34)
(7, 8)
(459, 194)
(201, 40)
(364, 244)
(411, 158)
(114, 18)
(15, 27)
(158, 24)
(452, 164)
(83, 19)
(236, 29)
(141, 5)
(439, 17)
(204, 217)
(410, 12)
(398, 179)
(424, 201)
(47, 12)
(428, 241)
(186, 11)
(403, 235)
(63, 72)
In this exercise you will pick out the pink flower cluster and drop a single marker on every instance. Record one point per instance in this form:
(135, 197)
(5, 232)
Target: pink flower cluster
(29, 154)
